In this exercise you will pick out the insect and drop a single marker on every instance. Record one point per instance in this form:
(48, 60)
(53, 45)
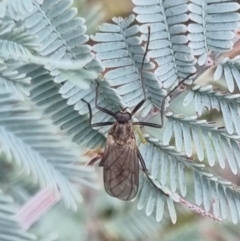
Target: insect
(121, 156)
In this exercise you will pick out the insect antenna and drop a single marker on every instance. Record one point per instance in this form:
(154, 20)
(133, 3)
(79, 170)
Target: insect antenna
(141, 70)
(139, 105)
(144, 87)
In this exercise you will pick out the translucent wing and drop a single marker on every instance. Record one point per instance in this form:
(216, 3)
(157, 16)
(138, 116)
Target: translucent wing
(121, 169)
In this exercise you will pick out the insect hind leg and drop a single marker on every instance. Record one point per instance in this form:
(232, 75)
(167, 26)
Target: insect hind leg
(169, 93)
(145, 170)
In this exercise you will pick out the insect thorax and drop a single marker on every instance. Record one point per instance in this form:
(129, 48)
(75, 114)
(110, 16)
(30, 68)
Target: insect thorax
(122, 132)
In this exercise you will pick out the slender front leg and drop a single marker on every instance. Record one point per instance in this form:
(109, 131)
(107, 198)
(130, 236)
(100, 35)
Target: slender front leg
(99, 107)
(138, 106)
(147, 124)
(145, 170)
(90, 117)
(90, 111)
(109, 123)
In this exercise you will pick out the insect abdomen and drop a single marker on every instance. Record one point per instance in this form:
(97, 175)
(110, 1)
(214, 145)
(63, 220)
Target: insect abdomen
(121, 166)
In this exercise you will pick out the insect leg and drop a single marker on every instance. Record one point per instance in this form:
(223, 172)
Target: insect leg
(145, 170)
(90, 111)
(169, 93)
(90, 117)
(99, 107)
(94, 160)
(147, 124)
(109, 123)
(138, 106)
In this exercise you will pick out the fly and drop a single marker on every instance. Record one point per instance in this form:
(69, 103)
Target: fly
(121, 157)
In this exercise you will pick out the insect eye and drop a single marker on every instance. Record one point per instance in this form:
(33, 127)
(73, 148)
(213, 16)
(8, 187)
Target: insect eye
(118, 116)
(128, 116)
(123, 117)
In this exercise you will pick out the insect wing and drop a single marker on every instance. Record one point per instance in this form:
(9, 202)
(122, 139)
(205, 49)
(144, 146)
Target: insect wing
(121, 169)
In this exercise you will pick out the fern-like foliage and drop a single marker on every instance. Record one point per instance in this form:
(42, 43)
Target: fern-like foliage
(166, 20)
(168, 40)
(30, 141)
(108, 99)
(208, 140)
(229, 68)
(213, 27)
(45, 94)
(122, 54)
(34, 115)
(168, 168)
(38, 153)
(61, 36)
(17, 9)
(206, 97)
(114, 50)
(64, 38)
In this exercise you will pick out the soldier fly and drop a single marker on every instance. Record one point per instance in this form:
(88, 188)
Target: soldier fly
(121, 156)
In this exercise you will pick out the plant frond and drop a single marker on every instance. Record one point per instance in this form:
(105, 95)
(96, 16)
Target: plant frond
(229, 68)
(12, 80)
(119, 48)
(32, 142)
(213, 27)
(17, 10)
(108, 98)
(209, 141)
(210, 191)
(61, 36)
(168, 40)
(12, 50)
(228, 104)
(17, 45)
(152, 198)
(167, 167)
(218, 195)
(10, 31)
(162, 159)
(47, 68)
(45, 94)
